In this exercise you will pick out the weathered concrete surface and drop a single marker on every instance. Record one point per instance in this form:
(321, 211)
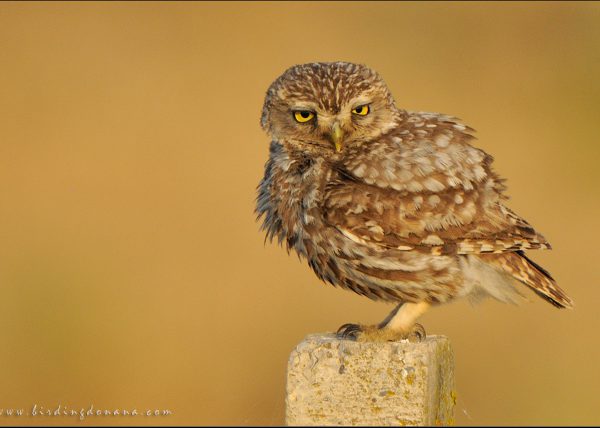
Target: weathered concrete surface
(341, 382)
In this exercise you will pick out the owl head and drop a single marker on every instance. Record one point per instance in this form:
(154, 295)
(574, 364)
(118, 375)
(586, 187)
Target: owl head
(328, 107)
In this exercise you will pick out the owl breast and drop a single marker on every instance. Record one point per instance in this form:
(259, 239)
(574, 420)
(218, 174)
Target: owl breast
(288, 200)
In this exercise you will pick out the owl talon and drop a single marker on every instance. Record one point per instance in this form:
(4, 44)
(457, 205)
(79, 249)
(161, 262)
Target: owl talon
(349, 331)
(417, 333)
(361, 333)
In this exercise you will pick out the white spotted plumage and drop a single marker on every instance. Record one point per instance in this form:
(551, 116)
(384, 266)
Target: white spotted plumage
(407, 210)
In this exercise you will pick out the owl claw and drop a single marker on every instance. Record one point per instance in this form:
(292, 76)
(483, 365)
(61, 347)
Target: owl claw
(417, 333)
(349, 331)
(361, 333)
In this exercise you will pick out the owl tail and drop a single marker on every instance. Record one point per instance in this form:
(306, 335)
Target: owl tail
(537, 278)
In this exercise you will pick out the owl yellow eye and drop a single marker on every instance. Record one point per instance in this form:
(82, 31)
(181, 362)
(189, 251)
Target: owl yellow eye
(361, 110)
(303, 116)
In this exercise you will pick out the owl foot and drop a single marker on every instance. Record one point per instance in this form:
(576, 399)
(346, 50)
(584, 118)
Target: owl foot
(378, 333)
(349, 331)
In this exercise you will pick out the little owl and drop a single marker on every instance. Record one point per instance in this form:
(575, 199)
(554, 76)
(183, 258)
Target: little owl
(391, 204)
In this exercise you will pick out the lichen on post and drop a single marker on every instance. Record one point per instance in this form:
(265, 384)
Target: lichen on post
(341, 382)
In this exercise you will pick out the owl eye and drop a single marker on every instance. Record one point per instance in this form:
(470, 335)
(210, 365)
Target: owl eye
(303, 116)
(361, 110)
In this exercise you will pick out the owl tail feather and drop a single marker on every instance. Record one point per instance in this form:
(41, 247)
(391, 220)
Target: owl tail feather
(537, 278)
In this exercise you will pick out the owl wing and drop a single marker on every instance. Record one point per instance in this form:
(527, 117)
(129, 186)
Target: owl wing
(434, 193)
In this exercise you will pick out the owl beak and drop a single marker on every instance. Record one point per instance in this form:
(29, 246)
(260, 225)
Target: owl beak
(337, 134)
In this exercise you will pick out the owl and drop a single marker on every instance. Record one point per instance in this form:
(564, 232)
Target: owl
(394, 205)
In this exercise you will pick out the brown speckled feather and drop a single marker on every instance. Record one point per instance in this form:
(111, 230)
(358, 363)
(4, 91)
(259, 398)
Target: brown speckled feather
(430, 191)
(406, 210)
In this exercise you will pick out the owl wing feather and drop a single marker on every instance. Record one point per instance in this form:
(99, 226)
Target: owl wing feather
(431, 193)
(435, 194)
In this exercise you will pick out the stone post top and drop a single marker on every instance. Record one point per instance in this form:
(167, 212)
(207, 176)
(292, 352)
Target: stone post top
(333, 381)
(330, 340)
(322, 338)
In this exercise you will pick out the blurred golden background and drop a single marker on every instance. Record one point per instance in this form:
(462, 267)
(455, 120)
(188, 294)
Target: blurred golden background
(132, 271)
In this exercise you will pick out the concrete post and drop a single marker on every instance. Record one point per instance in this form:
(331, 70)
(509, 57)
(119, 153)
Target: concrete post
(342, 382)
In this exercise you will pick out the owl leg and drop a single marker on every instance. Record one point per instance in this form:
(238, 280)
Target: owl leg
(403, 319)
(399, 324)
